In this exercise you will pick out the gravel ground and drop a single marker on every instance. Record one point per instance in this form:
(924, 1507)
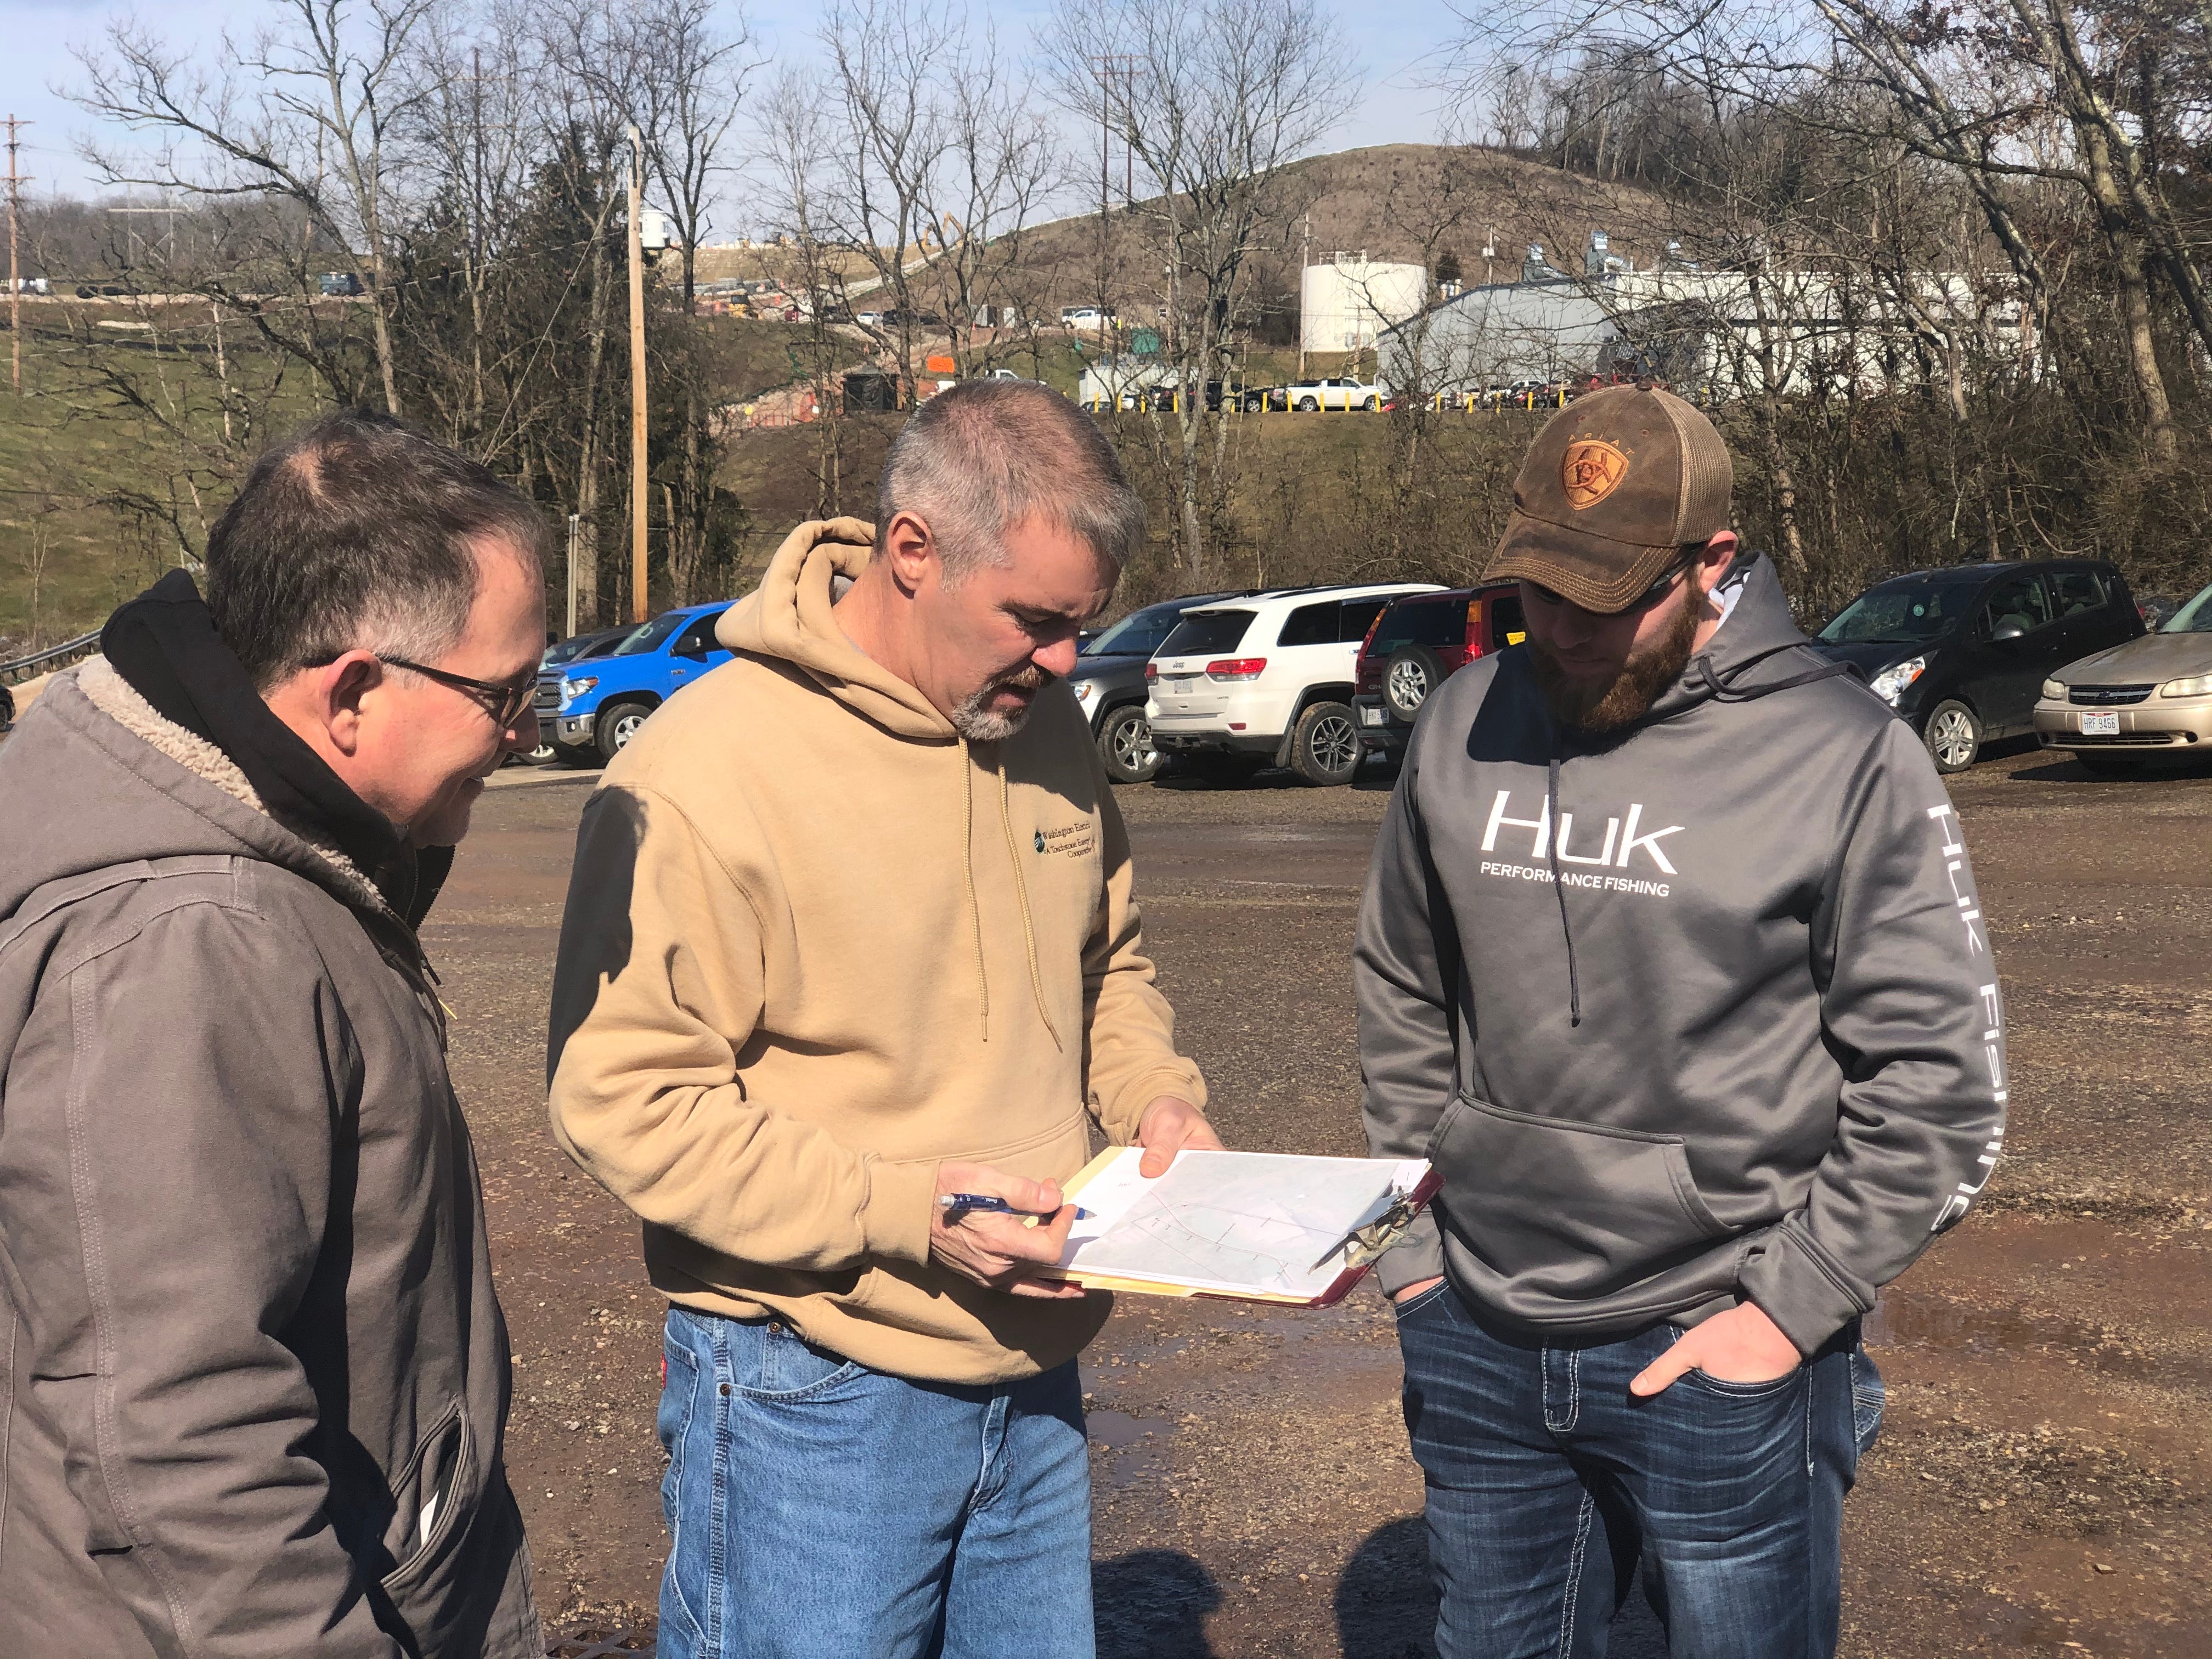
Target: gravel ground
(2041, 1483)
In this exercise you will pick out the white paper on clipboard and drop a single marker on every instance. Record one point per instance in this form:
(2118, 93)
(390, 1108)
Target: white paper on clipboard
(1238, 1224)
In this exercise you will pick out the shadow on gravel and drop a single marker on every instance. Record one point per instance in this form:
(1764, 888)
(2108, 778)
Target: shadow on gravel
(1386, 1604)
(1152, 1604)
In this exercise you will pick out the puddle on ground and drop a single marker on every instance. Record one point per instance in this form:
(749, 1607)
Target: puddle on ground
(1902, 1319)
(1139, 1444)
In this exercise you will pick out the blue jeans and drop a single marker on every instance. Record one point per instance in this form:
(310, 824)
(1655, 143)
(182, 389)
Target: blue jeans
(1548, 1480)
(819, 1509)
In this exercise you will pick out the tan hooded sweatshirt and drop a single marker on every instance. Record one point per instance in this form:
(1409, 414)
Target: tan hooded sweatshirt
(815, 942)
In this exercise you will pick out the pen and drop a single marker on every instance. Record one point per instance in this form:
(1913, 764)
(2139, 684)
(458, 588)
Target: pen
(956, 1203)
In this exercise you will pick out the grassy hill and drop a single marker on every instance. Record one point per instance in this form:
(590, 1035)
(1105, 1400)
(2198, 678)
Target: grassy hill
(67, 556)
(1390, 201)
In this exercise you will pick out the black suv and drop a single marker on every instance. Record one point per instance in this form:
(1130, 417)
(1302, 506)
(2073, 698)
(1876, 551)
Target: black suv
(1109, 681)
(1961, 653)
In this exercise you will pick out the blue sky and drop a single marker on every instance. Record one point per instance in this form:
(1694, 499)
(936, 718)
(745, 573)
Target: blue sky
(1388, 41)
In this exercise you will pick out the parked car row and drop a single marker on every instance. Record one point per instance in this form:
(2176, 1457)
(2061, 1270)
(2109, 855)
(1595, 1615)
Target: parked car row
(1319, 679)
(1971, 652)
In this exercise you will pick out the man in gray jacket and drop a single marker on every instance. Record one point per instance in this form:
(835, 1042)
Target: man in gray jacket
(1671, 961)
(254, 1379)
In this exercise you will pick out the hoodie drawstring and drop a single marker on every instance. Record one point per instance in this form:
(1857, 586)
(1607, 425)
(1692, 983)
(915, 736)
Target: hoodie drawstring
(967, 862)
(1022, 893)
(1559, 892)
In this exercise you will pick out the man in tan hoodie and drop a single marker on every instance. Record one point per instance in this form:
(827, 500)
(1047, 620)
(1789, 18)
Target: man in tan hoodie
(851, 930)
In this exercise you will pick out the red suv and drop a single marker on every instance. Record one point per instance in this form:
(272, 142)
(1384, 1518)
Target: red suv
(1415, 645)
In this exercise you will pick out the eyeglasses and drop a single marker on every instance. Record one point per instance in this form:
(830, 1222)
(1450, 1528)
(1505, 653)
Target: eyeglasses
(506, 704)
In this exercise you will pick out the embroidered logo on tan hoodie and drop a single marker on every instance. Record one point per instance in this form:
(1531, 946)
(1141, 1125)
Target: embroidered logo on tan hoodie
(816, 943)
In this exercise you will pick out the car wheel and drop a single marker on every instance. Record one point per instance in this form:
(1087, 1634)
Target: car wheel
(1372, 405)
(1408, 678)
(1125, 745)
(1307, 405)
(2110, 766)
(1326, 747)
(1953, 736)
(617, 726)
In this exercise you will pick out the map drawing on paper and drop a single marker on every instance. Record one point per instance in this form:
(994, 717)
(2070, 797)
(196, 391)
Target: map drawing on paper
(1255, 1223)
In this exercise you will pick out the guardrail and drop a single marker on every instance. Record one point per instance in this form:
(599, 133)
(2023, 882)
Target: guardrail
(46, 661)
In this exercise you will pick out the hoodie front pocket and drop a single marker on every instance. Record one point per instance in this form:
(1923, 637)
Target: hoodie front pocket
(1571, 1211)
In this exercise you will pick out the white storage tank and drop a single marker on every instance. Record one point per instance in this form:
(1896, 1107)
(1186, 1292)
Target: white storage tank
(1347, 298)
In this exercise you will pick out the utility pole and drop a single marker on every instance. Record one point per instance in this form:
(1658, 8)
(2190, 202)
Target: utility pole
(575, 522)
(639, 606)
(15, 182)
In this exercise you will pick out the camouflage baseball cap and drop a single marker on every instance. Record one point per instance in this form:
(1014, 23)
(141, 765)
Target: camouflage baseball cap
(1615, 485)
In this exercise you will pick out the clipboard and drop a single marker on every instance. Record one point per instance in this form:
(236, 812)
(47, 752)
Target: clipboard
(1405, 1189)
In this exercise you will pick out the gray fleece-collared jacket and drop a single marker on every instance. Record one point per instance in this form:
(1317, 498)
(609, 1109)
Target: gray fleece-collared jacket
(1701, 1012)
(253, 1378)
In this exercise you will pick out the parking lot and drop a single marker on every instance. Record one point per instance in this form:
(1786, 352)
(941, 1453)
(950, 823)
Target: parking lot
(2042, 1482)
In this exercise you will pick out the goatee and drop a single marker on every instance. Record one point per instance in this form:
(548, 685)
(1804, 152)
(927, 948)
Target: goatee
(1607, 705)
(978, 723)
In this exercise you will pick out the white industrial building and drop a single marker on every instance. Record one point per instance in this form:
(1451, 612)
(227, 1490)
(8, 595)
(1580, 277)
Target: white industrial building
(1709, 333)
(1112, 382)
(1348, 299)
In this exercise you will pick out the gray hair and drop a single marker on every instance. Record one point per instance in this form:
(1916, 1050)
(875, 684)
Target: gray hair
(984, 455)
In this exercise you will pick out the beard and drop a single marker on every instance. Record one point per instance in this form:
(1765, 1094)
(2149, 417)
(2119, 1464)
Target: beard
(976, 722)
(1607, 705)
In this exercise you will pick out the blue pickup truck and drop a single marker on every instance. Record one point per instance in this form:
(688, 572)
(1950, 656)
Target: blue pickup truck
(589, 709)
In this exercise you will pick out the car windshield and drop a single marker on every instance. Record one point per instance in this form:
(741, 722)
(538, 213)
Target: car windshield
(1137, 634)
(2195, 617)
(649, 636)
(570, 650)
(1205, 633)
(1903, 612)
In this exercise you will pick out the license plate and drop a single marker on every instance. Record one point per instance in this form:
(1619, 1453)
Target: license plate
(1371, 717)
(2101, 726)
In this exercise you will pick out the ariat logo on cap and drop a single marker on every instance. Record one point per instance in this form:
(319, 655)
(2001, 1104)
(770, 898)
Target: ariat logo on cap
(1592, 471)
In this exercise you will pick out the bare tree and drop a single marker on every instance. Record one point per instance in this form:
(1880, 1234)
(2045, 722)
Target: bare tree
(795, 126)
(1214, 100)
(305, 112)
(692, 76)
(586, 113)
(472, 143)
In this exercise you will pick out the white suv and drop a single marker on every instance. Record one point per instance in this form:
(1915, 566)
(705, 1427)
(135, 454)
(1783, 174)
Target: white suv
(1266, 679)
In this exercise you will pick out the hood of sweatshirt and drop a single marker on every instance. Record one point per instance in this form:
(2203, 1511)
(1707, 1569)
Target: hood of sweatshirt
(1757, 649)
(791, 617)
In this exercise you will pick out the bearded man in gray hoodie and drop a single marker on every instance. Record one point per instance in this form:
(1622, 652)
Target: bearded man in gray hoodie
(1671, 961)
(255, 1379)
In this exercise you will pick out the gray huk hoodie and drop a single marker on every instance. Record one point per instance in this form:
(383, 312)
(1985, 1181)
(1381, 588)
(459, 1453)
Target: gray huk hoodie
(1732, 1032)
(254, 1380)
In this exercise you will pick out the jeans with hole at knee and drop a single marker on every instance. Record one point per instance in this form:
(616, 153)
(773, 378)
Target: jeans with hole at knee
(819, 1509)
(1547, 1482)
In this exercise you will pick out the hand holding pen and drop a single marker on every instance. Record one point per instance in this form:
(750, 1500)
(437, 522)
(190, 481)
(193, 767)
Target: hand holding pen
(997, 1229)
(956, 1205)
